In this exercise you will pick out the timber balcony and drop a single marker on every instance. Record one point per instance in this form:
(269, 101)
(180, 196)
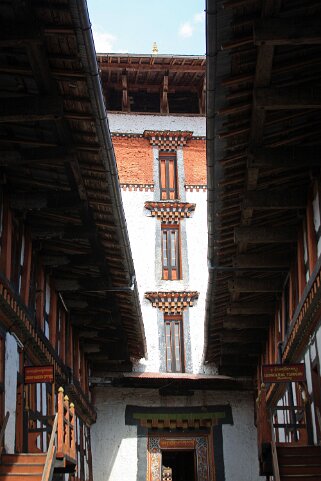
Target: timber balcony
(61, 454)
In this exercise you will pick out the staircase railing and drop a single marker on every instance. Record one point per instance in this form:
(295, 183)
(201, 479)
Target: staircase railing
(275, 461)
(263, 419)
(66, 428)
(51, 454)
(3, 429)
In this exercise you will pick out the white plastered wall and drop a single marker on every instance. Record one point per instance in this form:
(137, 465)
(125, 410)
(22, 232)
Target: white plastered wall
(144, 235)
(11, 370)
(115, 444)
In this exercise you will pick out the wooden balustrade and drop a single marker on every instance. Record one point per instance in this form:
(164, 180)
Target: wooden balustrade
(264, 432)
(66, 445)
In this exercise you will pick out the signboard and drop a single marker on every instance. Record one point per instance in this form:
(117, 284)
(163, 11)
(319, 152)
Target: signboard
(34, 374)
(177, 443)
(283, 373)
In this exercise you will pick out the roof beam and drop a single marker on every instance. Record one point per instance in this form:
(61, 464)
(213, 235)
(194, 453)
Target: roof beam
(250, 337)
(246, 322)
(291, 157)
(74, 285)
(288, 31)
(33, 155)
(164, 108)
(24, 201)
(125, 99)
(254, 285)
(266, 200)
(254, 261)
(287, 98)
(30, 109)
(250, 309)
(234, 348)
(16, 34)
(104, 66)
(265, 235)
(263, 74)
(58, 232)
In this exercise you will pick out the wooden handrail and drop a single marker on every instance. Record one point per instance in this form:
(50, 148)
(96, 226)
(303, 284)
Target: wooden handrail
(66, 428)
(51, 454)
(263, 419)
(3, 428)
(275, 461)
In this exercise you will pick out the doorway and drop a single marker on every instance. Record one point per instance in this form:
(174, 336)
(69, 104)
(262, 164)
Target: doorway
(181, 463)
(176, 451)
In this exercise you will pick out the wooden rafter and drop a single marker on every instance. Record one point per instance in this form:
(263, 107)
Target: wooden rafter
(288, 31)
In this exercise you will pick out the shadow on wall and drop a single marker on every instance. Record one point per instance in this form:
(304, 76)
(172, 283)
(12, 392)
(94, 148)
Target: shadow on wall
(113, 442)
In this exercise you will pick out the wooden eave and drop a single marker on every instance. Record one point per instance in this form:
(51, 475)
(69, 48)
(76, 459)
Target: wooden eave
(260, 106)
(171, 382)
(58, 167)
(146, 72)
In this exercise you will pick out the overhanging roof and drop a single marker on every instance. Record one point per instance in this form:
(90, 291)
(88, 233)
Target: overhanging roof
(58, 165)
(263, 147)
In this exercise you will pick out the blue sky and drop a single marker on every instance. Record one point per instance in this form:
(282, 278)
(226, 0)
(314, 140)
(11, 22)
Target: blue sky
(129, 26)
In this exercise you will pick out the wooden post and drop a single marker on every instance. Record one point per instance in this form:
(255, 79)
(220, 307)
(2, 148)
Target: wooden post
(72, 429)
(265, 426)
(60, 436)
(67, 424)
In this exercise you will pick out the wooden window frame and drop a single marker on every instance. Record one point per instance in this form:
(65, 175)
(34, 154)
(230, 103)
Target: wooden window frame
(168, 173)
(171, 346)
(170, 271)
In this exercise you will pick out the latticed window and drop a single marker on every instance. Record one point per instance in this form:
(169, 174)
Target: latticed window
(174, 344)
(170, 252)
(168, 175)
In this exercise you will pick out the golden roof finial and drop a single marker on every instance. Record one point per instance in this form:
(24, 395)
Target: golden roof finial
(155, 49)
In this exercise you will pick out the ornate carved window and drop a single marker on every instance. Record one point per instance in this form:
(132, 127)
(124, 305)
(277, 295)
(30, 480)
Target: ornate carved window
(168, 175)
(174, 344)
(171, 252)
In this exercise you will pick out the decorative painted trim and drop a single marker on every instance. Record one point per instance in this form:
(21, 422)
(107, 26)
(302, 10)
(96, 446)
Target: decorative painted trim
(137, 187)
(202, 447)
(196, 187)
(186, 417)
(126, 135)
(173, 303)
(170, 212)
(167, 140)
(136, 135)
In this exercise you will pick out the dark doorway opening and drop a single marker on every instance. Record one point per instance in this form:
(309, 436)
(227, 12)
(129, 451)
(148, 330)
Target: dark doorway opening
(182, 464)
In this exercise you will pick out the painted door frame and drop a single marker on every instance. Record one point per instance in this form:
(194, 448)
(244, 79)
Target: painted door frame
(199, 442)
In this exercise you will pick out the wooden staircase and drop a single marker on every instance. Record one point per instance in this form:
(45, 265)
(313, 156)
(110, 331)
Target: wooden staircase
(61, 454)
(16, 467)
(298, 463)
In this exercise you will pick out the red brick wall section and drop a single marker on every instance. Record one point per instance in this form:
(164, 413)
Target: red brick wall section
(195, 162)
(134, 157)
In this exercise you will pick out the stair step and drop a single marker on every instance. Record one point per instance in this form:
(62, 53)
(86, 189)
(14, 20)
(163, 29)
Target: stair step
(299, 477)
(299, 450)
(301, 469)
(21, 476)
(17, 468)
(292, 460)
(24, 458)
